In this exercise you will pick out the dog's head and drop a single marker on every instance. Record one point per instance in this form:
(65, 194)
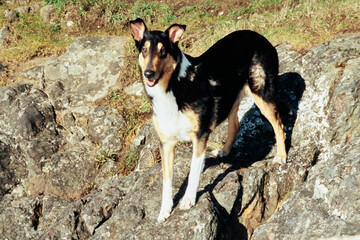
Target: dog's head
(158, 51)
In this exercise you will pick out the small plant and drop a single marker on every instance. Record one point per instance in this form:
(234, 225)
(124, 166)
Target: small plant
(55, 27)
(90, 187)
(103, 157)
(114, 96)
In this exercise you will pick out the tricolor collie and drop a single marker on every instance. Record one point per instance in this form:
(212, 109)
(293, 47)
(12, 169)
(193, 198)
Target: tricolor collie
(191, 96)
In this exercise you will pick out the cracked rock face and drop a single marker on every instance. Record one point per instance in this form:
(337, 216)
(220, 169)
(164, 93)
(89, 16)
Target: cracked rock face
(49, 132)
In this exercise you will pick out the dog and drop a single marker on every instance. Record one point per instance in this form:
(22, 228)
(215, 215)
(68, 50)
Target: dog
(190, 96)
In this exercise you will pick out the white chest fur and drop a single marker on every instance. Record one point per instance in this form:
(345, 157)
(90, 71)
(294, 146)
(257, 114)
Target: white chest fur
(171, 121)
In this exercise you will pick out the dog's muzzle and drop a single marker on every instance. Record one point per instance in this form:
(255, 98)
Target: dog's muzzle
(150, 77)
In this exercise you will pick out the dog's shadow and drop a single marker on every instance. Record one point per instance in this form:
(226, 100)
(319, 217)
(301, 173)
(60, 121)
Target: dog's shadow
(253, 143)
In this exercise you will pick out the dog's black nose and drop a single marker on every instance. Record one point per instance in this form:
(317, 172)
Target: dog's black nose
(149, 74)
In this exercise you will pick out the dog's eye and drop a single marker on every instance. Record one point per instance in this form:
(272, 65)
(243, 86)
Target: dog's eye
(144, 50)
(162, 52)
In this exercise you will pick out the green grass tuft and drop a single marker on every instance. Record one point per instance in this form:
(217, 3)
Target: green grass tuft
(103, 157)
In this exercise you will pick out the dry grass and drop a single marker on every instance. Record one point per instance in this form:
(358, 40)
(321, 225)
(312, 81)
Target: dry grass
(301, 23)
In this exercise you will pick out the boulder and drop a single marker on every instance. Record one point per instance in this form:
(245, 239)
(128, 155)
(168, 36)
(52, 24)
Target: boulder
(329, 122)
(325, 205)
(47, 150)
(86, 73)
(29, 133)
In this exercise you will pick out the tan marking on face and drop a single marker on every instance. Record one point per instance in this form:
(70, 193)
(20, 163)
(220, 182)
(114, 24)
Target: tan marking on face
(159, 46)
(144, 61)
(167, 66)
(163, 67)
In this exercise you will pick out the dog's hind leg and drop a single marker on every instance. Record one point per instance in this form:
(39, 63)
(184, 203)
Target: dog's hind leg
(269, 110)
(197, 165)
(233, 129)
(167, 150)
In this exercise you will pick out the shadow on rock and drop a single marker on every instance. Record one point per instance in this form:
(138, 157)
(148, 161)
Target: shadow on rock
(256, 137)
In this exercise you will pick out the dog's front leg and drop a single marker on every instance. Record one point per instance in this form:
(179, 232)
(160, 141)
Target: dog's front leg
(167, 150)
(197, 165)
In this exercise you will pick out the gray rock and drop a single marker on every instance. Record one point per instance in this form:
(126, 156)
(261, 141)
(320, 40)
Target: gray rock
(330, 131)
(47, 13)
(38, 143)
(100, 204)
(326, 205)
(147, 143)
(135, 89)
(20, 219)
(12, 168)
(64, 226)
(29, 134)
(80, 172)
(11, 15)
(4, 32)
(87, 72)
(52, 207)
(227, 190)
(23, 9)
(141, 214)
(104, 128)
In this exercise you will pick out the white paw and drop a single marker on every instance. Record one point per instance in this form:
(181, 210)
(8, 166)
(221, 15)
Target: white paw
(186, 203)
(164, 214)
(279, 160)
(218, 153)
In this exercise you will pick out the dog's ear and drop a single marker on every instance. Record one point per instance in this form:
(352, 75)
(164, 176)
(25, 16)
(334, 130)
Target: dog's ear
(138, 28)
(175, 31)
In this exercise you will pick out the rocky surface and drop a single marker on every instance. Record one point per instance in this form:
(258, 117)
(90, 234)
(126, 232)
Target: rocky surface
(4, 32)
(47, 13)
(51, 133)
(51, 130)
